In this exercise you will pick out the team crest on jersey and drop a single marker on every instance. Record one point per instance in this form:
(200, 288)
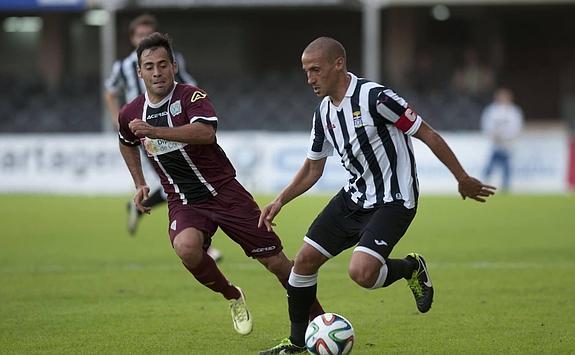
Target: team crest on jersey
(198, 95)
(357, 121)
(176, 108)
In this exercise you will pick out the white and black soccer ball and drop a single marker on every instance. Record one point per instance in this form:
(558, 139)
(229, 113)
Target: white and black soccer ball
(329, 334)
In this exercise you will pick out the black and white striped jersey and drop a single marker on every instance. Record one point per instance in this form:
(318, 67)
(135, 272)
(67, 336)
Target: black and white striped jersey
(124, 77)
(370, 130)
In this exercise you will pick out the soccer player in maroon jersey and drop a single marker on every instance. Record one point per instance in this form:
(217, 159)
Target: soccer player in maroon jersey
(123, 86)
(176, 124)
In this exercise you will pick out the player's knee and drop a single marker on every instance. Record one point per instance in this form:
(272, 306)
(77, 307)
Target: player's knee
(307, 263)
(361, 276)
(278, 264)
(188, 251)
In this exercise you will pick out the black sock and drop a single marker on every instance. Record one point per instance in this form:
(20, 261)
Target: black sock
(300, 300)
(398, 269)
(154, 199)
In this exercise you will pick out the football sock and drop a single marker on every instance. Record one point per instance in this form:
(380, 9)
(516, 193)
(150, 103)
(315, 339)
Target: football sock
(315, 310)
(155, 198)
(208, 274)
(383, 271)
(398, 269)
(301, 291)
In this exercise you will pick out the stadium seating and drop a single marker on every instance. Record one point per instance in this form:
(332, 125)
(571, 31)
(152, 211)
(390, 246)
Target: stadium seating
(271, 101)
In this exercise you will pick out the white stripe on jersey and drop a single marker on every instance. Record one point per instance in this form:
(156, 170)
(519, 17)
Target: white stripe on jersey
(171, 181)
(377, 155)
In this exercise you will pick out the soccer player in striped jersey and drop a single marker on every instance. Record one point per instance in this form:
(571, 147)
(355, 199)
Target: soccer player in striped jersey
(369, 126)
(176, 124)
(123, 86)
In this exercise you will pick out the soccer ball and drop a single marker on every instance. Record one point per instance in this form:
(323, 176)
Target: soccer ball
(329, 334)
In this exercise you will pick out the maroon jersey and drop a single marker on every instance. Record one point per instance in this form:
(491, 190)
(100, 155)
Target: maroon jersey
(190, 173)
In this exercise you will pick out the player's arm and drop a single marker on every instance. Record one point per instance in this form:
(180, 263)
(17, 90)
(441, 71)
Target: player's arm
(113, 87)
(113, 106)
(131, 155)
(305, 178)
(468, 186)
(191, 133)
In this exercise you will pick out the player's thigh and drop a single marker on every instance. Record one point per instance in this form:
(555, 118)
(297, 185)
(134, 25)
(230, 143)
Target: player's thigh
(385, 228)
(337, 226)
(183, 217)
(237, 215)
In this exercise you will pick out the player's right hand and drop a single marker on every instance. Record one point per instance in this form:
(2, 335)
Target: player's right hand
(141, 195)
(268, 214)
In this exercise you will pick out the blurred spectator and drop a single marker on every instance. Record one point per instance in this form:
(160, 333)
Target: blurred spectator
(473, 78)
(502, 122)
(424, 77)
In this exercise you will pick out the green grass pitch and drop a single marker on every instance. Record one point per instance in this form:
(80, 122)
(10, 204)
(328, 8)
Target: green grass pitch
(73, 282)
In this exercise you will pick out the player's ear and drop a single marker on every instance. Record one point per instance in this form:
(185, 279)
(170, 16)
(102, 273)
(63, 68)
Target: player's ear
(139, 72)
(340, 63)
(175, 65)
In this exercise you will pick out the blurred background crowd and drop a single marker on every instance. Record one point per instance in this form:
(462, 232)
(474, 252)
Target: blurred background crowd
(447, 61)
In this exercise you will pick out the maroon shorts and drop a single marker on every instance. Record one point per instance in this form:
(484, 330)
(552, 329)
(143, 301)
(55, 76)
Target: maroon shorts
(234, 210)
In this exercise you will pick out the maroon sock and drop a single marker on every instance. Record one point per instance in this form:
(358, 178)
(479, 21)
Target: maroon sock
(315, 309)
(208, 274)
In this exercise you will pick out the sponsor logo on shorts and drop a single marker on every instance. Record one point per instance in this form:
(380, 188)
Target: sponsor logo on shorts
(259, 250)
(380, 242)
(173, 225)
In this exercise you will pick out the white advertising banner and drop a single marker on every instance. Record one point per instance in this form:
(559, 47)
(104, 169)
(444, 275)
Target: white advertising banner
(265, 162)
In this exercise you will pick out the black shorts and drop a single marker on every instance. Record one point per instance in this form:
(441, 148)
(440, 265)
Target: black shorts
(342, 224)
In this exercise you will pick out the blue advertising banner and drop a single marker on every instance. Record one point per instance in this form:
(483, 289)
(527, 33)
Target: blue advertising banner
(42, 5)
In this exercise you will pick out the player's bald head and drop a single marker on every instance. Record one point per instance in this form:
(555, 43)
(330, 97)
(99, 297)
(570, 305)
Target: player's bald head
(327, 47)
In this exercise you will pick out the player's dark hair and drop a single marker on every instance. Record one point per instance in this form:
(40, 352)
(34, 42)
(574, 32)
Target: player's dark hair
(143, 20)
(153, 41)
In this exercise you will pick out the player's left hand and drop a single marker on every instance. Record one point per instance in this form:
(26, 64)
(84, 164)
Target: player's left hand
(267, 215)
(475, 189)
(141, 129)
(139, 197)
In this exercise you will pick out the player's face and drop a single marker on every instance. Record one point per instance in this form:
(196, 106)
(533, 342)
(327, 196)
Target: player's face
(141, 32)
(158, 72)
(321, 73)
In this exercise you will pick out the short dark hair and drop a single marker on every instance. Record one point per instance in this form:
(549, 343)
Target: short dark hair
(143, 20)
(155, 40)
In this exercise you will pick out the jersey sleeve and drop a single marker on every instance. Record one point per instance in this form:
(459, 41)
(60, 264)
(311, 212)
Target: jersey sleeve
(320, 147)
(114, 82)
(395, 109)
(124, 133)
(199, 108)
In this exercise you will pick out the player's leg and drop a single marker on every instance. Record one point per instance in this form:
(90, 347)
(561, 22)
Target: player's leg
(334, 230)
(301, 290)
(370, 265)
(189, 246)
(156, 196)
(281, 267)
(237, 215)
(506, 170)
(491, 163)
(190, 232)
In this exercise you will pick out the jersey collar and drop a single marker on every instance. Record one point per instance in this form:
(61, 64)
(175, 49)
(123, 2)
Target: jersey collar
(352, 84)
(163, 101)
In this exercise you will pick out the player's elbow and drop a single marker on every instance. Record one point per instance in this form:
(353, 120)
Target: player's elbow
(210, 137)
